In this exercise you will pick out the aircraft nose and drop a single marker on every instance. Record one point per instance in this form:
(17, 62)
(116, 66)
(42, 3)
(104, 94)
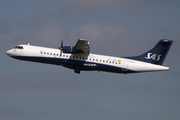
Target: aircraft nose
(8, 52)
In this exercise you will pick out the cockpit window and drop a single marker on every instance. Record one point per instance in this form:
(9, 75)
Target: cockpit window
(19, 47)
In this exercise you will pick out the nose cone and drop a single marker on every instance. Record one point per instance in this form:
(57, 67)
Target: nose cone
(8, 52)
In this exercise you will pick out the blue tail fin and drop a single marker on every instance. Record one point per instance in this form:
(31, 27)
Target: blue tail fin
(156, 55)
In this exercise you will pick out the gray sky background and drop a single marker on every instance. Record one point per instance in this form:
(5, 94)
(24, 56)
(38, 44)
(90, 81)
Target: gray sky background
(119, 28)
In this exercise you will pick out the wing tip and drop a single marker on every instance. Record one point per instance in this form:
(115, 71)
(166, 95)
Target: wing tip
(85, 40)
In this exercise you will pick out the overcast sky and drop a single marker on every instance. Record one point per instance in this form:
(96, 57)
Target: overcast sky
(113, 27)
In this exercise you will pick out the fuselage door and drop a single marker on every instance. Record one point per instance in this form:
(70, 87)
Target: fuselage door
(125, 65)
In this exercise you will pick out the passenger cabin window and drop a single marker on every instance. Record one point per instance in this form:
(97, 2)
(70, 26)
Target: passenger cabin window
(19, 47)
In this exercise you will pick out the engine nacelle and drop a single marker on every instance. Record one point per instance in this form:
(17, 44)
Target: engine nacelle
(70, 49)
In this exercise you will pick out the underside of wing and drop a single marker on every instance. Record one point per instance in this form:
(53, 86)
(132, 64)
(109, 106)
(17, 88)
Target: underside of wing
(83, 46)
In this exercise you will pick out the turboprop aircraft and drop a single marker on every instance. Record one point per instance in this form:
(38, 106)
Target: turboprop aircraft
(79, 58)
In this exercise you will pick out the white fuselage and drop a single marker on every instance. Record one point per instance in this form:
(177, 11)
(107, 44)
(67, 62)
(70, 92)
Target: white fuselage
(81, 61)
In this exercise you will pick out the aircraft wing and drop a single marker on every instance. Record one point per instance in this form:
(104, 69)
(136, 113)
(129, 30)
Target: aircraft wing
(82, 45)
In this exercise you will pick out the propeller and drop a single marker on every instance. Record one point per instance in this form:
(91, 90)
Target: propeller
(61, 48)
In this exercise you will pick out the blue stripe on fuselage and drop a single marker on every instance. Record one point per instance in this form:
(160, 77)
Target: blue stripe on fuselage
(71, 63)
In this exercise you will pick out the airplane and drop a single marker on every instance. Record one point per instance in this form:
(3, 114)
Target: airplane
(79, 58)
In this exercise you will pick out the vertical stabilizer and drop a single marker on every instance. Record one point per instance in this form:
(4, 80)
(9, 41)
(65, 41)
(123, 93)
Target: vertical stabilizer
(156, 55)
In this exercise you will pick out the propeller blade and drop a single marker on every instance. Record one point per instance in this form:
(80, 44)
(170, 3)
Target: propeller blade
(60, 53)
(62, 44)
(61, 48)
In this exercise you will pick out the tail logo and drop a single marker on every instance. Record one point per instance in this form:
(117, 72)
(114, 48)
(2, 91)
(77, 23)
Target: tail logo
(153, 56)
